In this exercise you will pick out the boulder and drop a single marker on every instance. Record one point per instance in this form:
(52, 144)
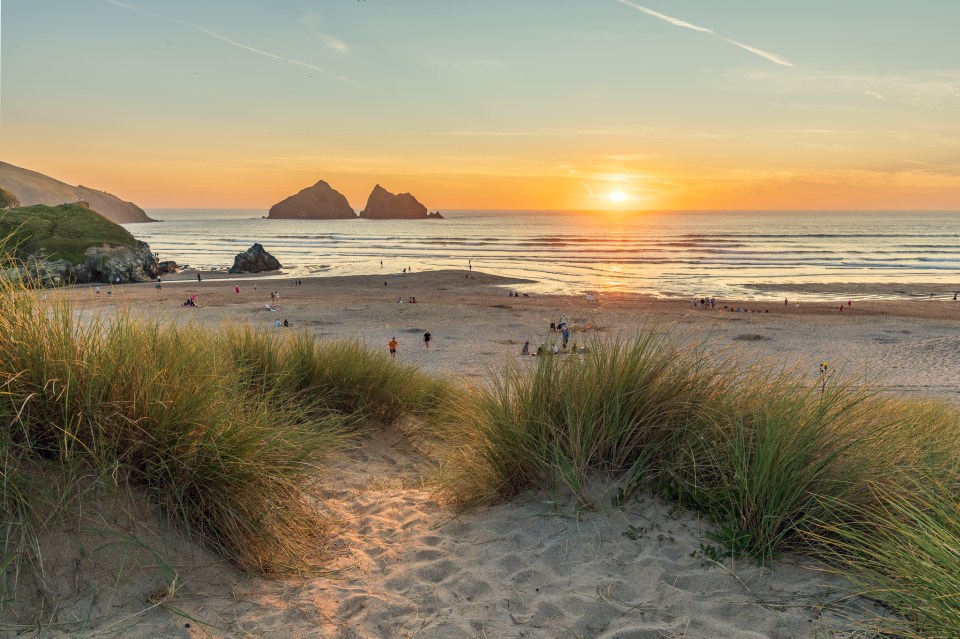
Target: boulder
(167, 267)
(384, 205)
(254, 260)
(317, 202)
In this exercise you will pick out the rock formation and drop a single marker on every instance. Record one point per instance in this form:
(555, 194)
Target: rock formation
(104, 264)
(384, 205)
(31, 188)
(66, 244)
(254, 260)
(317, 202)
(167, 267)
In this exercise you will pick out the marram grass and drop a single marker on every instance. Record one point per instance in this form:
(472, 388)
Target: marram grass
(904, 550)
(780, 462)
(229, 431)
(613, 409)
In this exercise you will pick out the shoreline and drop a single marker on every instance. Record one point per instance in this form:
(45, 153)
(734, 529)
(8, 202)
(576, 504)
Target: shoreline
(811, 292)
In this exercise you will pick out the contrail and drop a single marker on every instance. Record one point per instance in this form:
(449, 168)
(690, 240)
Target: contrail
(677, 22)
(674, 21)
(772, 57)
(239, 45)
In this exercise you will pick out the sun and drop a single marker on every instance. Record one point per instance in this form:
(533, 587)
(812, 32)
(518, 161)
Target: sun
(617, 196)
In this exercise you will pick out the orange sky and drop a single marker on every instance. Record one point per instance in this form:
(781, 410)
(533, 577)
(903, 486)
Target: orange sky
(536, 105)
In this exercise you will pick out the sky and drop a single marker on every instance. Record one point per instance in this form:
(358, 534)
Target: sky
(490, 104)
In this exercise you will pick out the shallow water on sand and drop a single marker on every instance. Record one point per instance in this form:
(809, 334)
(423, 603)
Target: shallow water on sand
(661, 253)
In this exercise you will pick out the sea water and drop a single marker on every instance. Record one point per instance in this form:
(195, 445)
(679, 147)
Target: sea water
(724, 254)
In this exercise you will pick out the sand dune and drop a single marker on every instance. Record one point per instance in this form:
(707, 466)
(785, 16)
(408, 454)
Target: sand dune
(538, 566)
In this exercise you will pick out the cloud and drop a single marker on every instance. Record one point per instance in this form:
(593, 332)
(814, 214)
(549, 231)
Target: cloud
(239, 45)
(772, 57)
(674, 21)
(677, 22)
(313, 22)
(919, 87)
(333, 42)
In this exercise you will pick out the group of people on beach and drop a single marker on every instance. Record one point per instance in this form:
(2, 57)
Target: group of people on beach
(704, 302)
(563, 346)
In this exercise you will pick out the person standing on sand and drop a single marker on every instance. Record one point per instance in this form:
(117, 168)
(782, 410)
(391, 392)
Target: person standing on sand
(393, 346)
(426, 340)
(199, 279)
(237, 289)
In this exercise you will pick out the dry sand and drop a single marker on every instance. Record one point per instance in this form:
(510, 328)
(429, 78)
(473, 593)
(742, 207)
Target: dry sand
(533, 567)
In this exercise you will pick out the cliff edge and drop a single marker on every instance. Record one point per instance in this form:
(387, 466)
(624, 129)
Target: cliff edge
(32, 188)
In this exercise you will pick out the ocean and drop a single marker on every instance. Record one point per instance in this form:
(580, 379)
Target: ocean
(724, 254)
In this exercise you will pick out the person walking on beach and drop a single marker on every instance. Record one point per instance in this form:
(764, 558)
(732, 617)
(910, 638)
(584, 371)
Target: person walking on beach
(199, 279)
(426, 340)
(393, 346)
(237, 289)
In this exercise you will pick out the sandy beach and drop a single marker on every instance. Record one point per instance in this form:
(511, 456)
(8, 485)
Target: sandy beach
(907, 343)
(408, 566)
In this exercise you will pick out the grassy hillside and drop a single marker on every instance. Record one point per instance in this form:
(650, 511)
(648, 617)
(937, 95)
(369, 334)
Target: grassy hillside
(63, 231)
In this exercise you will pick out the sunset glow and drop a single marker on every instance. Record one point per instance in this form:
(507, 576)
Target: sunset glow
(617, 196)
(720, 106)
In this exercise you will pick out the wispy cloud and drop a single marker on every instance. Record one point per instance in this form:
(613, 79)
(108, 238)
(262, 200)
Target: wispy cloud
(772, 57)
(920, 87)
(479, 133)
(674, 21)
(677, 22)
(333, 42)
(239, 45)
(314, 23)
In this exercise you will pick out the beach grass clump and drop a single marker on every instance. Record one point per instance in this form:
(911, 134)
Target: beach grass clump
(760, 460)
(340, 375)
(163, 408)
(757, 450)
(612, 409)
(904, 550)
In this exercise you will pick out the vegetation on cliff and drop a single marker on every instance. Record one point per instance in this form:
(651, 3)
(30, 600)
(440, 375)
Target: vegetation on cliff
(63, 232)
